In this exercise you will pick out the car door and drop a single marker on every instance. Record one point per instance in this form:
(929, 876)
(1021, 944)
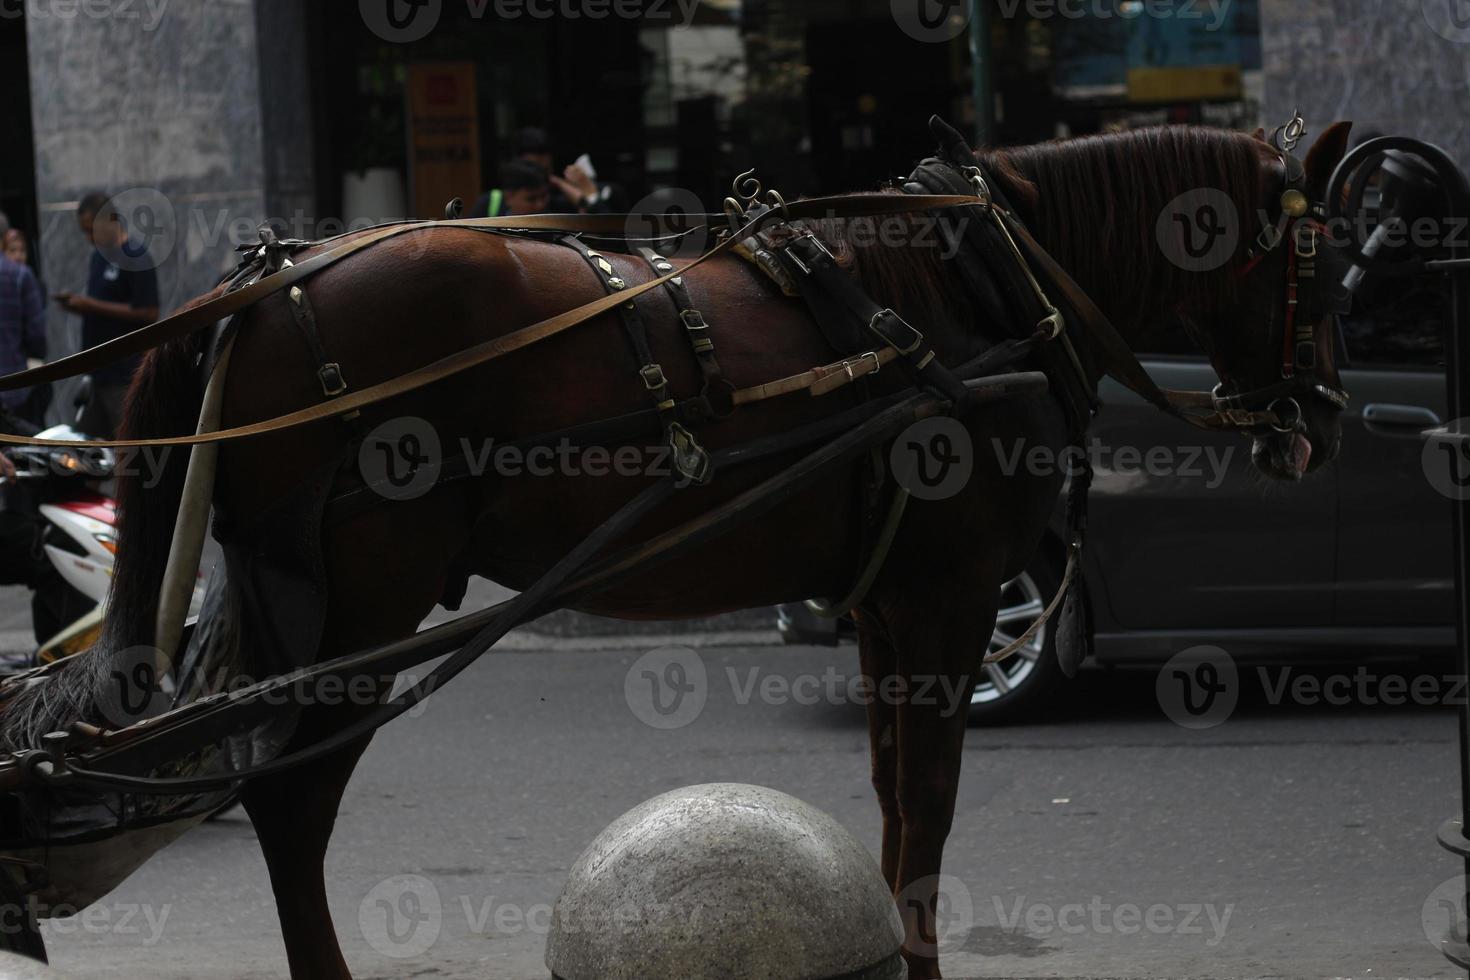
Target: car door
(1186, 534)
(1395, 558)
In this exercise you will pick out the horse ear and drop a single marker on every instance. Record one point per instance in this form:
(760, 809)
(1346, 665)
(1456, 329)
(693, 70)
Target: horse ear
(1260, 133)
(1326, 153)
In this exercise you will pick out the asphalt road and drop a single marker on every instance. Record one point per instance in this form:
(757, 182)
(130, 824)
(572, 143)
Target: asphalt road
(1103, 840)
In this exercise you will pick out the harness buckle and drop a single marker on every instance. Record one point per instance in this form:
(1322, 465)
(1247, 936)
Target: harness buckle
(821, 247)
(653, 377)
(1311, 238)
(333, 383)
(915, 337)
(1306, 355)
(693, 320)
(1053, 323)
(691, 460)
(1240, 418)
(977, 181)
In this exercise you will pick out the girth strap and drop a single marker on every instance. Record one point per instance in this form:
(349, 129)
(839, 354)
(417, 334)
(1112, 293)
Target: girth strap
(690, 458)
(717, 393)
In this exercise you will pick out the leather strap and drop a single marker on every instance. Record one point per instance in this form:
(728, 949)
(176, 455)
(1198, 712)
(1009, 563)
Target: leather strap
(188, 321)
(197, 317)
(717, 393)
(820, 380)
(825, 285)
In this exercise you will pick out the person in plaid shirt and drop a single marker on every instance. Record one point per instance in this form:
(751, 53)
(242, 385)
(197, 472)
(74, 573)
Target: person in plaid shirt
(22, 322)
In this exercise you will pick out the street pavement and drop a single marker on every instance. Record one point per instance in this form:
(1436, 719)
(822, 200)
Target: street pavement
(1295, 840)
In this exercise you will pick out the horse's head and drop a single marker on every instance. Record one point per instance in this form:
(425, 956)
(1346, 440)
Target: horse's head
(1274, 347)
(1221, 232)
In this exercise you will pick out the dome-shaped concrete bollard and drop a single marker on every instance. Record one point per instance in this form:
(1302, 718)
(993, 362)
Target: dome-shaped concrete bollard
(725, 882)
(13, 966)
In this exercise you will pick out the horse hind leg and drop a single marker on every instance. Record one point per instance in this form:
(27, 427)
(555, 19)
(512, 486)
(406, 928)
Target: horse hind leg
(294, 812)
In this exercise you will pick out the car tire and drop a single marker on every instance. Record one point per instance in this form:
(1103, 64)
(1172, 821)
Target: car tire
(1016, 689)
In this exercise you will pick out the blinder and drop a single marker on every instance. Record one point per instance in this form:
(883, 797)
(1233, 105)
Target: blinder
(1315, 297)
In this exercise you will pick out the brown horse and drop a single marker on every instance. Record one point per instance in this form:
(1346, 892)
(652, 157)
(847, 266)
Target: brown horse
(1094, 203)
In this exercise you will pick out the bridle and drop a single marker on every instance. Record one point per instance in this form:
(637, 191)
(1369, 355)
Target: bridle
(1315, 297)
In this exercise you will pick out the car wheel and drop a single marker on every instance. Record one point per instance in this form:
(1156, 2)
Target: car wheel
(1015, 688)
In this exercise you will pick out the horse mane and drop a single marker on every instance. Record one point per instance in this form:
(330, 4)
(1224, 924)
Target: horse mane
(1094, 203)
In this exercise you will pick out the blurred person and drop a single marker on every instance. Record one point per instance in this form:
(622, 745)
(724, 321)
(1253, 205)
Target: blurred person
(121, 296)
(575, 188)
(16, 248)
(22, 321)
(523, 190)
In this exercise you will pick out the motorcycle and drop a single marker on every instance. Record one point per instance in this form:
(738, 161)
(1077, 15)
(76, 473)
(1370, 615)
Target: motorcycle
(69, 491)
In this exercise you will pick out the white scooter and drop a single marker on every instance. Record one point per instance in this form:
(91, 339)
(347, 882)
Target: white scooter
(73, 488)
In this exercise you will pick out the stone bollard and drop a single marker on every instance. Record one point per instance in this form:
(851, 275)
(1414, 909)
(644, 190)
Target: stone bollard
(725, 882)
(13, 966)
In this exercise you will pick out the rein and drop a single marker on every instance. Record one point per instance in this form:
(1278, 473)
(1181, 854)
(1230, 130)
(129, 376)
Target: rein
(208, 313)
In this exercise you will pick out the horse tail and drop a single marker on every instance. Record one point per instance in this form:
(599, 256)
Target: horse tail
(164, 400)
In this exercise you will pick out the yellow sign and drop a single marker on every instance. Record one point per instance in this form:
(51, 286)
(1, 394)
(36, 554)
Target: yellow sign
(443, 135)
(1192, 84)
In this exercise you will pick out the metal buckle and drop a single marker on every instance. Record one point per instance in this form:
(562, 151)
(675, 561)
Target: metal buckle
(877, 364)
(333, 383)
(1311, 237)
(976, 177)
(693, 320)
(653, 377)
(1239, 417)
(915, 335)
(1306, 355)
(1058, 324)
(691, 460)
(807, 235)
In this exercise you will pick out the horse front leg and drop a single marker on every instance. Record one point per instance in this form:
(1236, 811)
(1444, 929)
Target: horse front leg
(940, 638)
(877, 663)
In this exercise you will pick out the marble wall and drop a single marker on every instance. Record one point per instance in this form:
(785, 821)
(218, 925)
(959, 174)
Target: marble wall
(181, 110)
(1393, 67)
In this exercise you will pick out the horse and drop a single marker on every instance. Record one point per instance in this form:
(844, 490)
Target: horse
(1093, 203)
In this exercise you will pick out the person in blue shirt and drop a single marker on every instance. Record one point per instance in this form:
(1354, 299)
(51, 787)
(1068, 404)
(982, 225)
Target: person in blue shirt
(22, 322)
(122, 295)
